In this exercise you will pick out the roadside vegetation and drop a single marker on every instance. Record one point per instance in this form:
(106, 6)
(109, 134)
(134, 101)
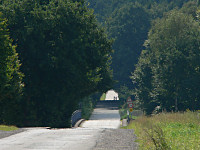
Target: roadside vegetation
(64, 57)
(7, 128)
(168, 131)
(103, 97)
(87, 107)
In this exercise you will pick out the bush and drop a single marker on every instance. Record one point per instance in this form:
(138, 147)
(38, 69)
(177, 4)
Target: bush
(87, 108)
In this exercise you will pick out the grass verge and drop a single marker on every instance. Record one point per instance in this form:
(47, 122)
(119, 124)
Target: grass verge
(103, 97)
(7, 128)
(168, 131)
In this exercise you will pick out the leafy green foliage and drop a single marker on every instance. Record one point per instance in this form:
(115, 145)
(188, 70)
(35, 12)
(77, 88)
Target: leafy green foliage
(128, 22)
(65, 57)
(87, 107)
(124, 93)
(129, 30)
(167, 72)
(10, 77)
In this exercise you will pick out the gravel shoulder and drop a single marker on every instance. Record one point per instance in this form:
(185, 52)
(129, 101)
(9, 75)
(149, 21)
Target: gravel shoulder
(117, 139)
(4, 134)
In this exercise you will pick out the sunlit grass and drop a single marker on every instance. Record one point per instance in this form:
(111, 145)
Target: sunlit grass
(168, 131)
(7, 128)
(103, 97)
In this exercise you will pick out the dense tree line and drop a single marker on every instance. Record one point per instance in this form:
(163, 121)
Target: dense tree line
(159, 42)
(128, 22)
(129, 27)
(65, 57)
(167, 73)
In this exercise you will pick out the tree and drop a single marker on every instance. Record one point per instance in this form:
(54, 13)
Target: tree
(173, 49)
(142, 79)
(128, 23)
(66, 57)
(10, 77)
(129, 30)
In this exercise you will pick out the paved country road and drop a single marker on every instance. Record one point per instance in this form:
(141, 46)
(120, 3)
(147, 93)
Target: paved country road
(45, 139)
(103, 123)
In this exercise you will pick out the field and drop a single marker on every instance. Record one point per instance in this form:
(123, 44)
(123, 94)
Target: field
(7, 128)
(168, 131)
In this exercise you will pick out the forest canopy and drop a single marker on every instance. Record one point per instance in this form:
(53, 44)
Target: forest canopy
(156, 50)
(65, 57)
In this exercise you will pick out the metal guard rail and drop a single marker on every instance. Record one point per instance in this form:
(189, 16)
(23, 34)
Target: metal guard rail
(76, 116)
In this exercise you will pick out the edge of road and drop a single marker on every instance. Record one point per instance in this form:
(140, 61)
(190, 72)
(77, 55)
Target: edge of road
(4, 134)
(78, 123)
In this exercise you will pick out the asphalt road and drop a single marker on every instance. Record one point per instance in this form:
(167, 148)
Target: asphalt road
(103, 118)
(45, 139)
(84, 138)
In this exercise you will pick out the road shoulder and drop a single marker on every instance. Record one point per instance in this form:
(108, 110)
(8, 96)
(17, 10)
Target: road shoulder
(4, 134)
(117, 139)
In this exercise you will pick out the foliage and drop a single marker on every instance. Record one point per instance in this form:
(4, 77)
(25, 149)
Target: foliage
(124, 93)
(10, 77)
(65, 57)
(177, 131)
(128, 22)
(129, 30)
(87, 107)
(103, 8)
(167, 73)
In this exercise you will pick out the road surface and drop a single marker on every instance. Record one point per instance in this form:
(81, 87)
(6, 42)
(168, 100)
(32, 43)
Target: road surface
(84, 138)
(103, 118)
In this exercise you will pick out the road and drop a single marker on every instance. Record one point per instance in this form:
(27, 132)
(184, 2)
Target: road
(84, 138)
(103, 118)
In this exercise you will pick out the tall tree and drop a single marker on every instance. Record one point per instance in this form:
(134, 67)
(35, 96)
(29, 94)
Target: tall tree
(10, 77)
(142, 79)
(173, 49)
(66, 57)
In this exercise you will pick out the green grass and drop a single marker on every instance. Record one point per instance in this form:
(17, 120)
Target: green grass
(168, 131)
(103, 97)
(7, 128)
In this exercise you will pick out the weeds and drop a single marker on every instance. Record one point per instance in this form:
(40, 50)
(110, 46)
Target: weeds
(168, 131)
(157, 136)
